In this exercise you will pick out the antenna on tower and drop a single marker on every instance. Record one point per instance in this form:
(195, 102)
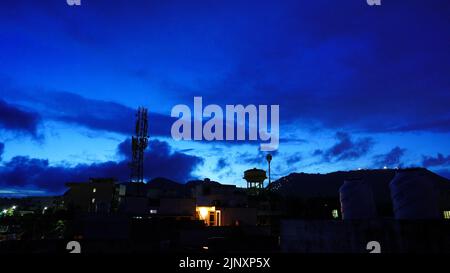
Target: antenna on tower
(139, 143)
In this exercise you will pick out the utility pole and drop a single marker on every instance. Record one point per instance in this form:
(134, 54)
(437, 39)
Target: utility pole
(269, 158)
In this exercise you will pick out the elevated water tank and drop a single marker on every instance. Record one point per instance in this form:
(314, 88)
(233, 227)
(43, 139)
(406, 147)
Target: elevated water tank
(255, 175)
(414, 195)
(357, 200)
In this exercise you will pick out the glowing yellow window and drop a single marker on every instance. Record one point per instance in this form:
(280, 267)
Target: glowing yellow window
(335, 213)
(209, 215)
(447, 214)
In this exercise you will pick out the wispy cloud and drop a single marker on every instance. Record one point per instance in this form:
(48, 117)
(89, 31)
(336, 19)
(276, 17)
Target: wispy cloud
(438, 160)
(390, 159)
(346, 148)
(14, 119)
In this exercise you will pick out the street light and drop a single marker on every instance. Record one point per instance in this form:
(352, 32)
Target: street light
(269, 158)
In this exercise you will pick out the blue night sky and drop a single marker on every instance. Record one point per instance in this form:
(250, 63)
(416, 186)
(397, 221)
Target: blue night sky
(358, 86)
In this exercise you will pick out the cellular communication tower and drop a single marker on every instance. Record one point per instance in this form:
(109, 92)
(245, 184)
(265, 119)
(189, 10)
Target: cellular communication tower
(138, 144)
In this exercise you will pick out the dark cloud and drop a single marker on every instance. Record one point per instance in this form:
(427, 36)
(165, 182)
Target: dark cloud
(326, 72)
(2, 150)
(221, 164)
(15, 119)
(391, 159)
(293, 159)
(104, 115)
(317, 152)
(124, 149)
(31, 173)
(101, 115)
(75, 109)
(376, 65)
(346, 148)
(440, 126)
(256, 159)
(439, 160)
(160, 161)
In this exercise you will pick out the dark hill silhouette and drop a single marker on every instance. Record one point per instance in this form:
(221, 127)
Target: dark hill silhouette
(164, 184)
(312, 186)
(193, 183)
(303, 185)
(167, 187)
